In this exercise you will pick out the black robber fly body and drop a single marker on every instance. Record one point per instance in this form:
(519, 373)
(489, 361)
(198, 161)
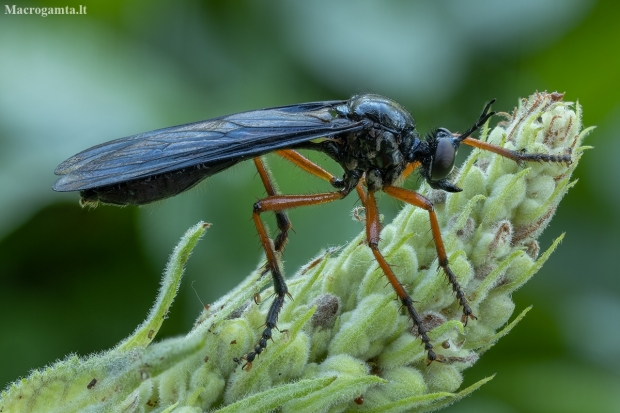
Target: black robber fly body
(371, 137)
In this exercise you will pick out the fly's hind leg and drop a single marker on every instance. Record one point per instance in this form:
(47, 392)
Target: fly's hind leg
(282, 220)
(278, 203)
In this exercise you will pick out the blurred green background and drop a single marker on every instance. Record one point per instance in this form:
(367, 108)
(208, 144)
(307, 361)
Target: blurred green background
(74, 280)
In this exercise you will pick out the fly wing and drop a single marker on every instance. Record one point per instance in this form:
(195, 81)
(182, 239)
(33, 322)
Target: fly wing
(234, 137)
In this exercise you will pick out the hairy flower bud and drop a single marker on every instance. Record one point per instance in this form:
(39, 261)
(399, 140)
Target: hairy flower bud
(344, 340)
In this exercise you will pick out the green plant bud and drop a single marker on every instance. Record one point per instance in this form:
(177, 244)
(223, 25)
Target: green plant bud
(402, 382)
(345, 341)
(496, 310)
(442, 377)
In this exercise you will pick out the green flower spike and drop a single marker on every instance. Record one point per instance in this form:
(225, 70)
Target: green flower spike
(343, 343)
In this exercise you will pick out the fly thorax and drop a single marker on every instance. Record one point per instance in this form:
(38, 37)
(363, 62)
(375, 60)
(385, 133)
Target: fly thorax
(377, 152)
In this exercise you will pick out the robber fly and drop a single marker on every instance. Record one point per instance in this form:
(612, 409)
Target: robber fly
(371, 137)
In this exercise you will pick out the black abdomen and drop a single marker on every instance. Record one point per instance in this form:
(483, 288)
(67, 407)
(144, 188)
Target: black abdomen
(153, 188)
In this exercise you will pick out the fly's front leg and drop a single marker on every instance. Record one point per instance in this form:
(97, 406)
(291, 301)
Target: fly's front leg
(278, 203)
(418, 200)
(518, 156)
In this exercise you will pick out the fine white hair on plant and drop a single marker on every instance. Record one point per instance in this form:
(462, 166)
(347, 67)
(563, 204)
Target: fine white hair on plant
(343, 342)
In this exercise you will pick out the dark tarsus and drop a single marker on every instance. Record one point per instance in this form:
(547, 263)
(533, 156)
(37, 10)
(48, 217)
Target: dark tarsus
(372, 137)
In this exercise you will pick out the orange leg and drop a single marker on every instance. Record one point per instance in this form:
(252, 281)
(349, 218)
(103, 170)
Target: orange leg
(517, 156)
(373, 229)
(282, 220)
(284, 224)
(418, 200)
(410, 168)
(314, 169)
(279, 203)
(307, 165)
(361, 193)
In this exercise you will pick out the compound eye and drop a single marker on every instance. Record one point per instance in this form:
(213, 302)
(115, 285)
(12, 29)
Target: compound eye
(443, 160)
(443, 133)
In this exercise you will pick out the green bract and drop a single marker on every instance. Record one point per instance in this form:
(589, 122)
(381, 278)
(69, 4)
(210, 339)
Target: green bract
(344, 343)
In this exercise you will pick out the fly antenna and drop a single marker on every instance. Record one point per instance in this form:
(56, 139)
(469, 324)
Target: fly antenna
(481, 121)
